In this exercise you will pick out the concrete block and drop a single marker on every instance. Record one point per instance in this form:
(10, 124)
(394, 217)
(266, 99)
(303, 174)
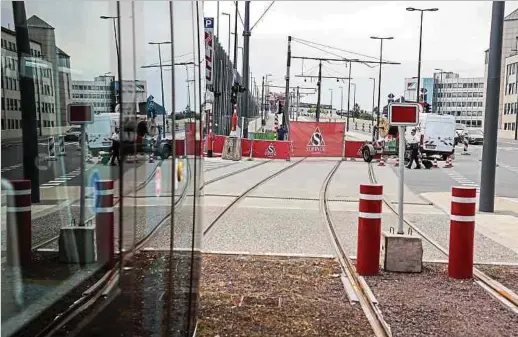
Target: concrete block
(77, 245)
(402, 253)
(232, 149)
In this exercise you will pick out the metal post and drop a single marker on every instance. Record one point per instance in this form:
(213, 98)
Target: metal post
(331, 90)
(162, 87)
(217, 20)
(298, 103)
(229, 33)
(287, 91)
(29, 131)
(401, 190)
(235, 35)
(341, 102)
(516, 111)
(354, 97)
(246, 69)
(379, 93)
(419, 60)
(373, 96)
(39, 99)
(319, 86)
(489, 151)
(82, 175)
(262, 103)
(349, 95)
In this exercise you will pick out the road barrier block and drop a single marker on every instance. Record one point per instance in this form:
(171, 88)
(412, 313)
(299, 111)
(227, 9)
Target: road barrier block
(19, 233)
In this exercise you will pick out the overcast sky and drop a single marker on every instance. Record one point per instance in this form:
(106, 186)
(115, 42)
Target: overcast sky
(454, 39)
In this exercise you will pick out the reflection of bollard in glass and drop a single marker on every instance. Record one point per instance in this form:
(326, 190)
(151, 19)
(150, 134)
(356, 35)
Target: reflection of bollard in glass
(19, 236)
(104, 222)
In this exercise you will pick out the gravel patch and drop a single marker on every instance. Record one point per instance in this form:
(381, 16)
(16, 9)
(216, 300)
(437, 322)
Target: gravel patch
(303, 180)
(431, 304)
(268, 230)
(271, 296)
(346, 226)
(141, 307)
(508, 276)
(437, 227)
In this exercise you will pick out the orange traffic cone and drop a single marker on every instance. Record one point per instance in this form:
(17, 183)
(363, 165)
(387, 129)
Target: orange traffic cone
(397, 162)
(382, 161)
(448, 164)
(434, 165)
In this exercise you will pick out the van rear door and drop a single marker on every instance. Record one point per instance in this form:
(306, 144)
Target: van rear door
(439, 134)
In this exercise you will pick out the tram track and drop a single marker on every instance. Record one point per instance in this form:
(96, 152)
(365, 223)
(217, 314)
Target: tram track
(494, 288)
(240, 197)
(104, 286)
(354, 283)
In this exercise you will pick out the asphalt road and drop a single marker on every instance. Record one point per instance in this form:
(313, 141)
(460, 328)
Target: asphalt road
(466, 170)
(65, 170)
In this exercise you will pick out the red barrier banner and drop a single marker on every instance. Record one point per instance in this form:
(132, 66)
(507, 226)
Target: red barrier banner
(219, 142)
(353, 148)
(194, 147)
(311, 139)
(271, 149)
(246, 145)
(179, 147)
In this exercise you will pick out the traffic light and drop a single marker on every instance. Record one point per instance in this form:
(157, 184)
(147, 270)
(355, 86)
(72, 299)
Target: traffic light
(427, 108)
(233, 95)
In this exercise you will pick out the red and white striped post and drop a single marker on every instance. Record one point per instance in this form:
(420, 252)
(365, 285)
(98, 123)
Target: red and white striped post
(105, 222)
(210, 135)
(19, 232)
(462, 232)
(369, 229)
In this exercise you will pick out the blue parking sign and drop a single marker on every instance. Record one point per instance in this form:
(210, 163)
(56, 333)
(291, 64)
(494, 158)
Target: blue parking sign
(94, 178)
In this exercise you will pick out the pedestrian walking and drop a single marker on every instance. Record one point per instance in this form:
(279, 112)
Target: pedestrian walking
(281, 132)
(115, 147)
(414, 145)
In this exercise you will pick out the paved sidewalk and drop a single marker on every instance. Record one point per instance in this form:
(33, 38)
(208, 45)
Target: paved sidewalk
(501, 226)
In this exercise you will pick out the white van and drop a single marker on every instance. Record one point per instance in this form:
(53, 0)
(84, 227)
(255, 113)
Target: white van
(437, 134)
(99, 132)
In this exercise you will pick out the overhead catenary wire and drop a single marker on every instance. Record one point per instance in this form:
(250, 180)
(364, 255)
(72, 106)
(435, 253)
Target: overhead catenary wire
(331, 53)
(262, 15)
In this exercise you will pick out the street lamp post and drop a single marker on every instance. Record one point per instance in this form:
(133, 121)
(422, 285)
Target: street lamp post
(373, 95)
(331, 90)
(354, 96)
(161, 79)
(113, 18)
(412, 9)
(379, 80)
(229, 30)
(341, 101)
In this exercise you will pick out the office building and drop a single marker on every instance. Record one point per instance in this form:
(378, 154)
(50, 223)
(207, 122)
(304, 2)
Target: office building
(461, 97)
(47, 100)
(509, 47)
(102, 93)
(426, 88)
(509, 118)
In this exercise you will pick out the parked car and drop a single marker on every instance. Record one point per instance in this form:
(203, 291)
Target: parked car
(475, 136)
(73, 134)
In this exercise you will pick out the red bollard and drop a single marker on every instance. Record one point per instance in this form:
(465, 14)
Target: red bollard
(369, 229)
(19, 233)
(104, 223)
(462, 232)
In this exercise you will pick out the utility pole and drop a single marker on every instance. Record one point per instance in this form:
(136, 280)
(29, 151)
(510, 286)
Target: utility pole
(373, 96)
(262, 103)
(246, 69)
(487, 179)
(161, 80)
(298, 104)
(287, 92)
(348, 97)
(319, 86)
(341, 101)
(29, 132)
(235, 35)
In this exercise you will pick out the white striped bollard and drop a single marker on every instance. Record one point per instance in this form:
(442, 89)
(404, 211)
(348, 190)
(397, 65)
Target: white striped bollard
(19, 231)
(369, 229)
(462, 232)
(105, 222)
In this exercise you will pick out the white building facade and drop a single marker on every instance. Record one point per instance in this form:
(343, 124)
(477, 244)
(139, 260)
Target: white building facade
(510, 100)
(46, 110)
(461, 97)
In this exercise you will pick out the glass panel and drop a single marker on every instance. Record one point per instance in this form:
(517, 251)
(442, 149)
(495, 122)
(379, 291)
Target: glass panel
(108, 198)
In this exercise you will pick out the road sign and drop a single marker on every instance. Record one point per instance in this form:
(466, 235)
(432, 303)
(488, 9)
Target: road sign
(158, 182)
(94, 178)
(79, 113)
(403, 114)
(391, 96)
(424, 91)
